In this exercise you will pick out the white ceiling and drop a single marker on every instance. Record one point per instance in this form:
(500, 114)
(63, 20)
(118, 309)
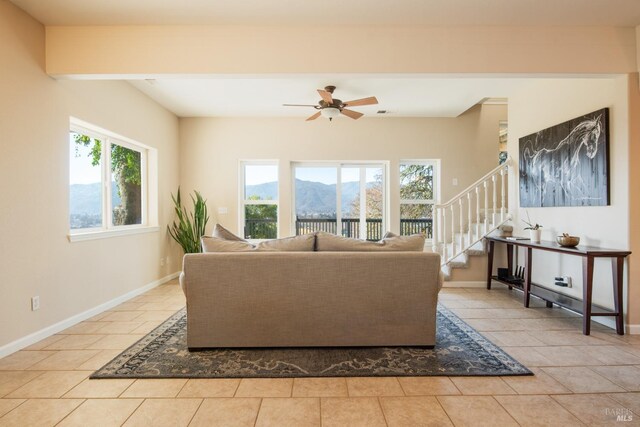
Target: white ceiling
(334, 12)
(414, 96)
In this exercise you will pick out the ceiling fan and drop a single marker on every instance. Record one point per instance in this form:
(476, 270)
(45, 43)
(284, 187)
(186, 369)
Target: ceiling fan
(331, 107)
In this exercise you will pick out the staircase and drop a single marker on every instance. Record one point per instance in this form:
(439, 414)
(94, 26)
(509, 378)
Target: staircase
(462, 223)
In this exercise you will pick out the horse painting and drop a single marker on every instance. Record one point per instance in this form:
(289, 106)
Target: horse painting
(567, 164)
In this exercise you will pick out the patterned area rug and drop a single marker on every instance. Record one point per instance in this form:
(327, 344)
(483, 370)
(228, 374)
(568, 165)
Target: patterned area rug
(459, 350)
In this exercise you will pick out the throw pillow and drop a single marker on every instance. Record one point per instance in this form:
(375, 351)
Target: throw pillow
(303, 243)
(222, 233)
(215, 244)
(326, 242)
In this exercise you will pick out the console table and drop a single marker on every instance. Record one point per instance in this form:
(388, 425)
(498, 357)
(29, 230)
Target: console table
(584, 306)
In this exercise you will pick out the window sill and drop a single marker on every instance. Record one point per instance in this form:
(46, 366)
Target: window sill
(102, 234)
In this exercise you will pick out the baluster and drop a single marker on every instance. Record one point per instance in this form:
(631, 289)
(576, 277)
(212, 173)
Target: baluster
(469, 231)
(502, 195)
(486, 206)
(435, 230)
(461, 226)
(441, 229)
(443, 215)
(495, 202)
(453, 231)
(477, 213)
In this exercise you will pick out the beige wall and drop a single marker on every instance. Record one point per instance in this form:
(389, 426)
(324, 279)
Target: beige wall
(212, 147)
(36, 257)
(201, 50)
(544, 103)
(634, 201)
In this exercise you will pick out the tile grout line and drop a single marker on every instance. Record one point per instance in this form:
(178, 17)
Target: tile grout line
(404, 393)
(181, 388)
(255, 421)
(22, 385)
(506, 410)
(196, 411)
(22, 403)
(133, 412)
(384, 417)
(444, 410)
(71, 412)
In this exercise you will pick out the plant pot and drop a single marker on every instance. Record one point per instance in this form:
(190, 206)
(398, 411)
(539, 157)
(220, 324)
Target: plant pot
(535, 235)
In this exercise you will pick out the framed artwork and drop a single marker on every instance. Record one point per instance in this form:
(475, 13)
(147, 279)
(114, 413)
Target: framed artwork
(567, 164)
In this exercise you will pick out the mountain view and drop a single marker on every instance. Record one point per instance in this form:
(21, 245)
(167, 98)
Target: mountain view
(85, 204)
(313, 199)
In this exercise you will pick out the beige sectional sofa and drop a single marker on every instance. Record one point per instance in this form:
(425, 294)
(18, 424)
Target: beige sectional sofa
(314, 298)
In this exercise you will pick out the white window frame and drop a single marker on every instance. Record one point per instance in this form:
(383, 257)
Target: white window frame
(435, 164)
(242, 200)
(148, 172)
(339, 164)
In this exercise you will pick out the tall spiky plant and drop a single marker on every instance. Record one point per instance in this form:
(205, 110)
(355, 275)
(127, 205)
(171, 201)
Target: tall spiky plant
(191, 225)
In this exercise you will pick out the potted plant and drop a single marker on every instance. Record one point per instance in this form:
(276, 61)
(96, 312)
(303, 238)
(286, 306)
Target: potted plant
(191, 225)
(535, 231)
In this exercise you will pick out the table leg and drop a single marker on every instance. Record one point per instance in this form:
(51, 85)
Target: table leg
(510, 261)
(587, 286)
(490, 263)
(527, 275)
(617, 265)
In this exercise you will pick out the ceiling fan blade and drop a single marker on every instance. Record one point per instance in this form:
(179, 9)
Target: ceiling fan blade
(353, 114)
(326, 96)
(299, 105)
(364, 101)
(315, 116)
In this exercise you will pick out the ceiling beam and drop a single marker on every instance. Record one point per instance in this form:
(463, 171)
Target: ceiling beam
(105, 52)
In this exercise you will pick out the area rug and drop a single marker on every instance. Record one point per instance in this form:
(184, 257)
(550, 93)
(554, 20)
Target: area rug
(459, 351)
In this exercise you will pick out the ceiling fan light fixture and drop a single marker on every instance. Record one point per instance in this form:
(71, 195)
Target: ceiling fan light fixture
(330, 112)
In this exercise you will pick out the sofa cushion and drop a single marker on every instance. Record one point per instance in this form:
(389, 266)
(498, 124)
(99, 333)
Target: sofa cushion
(303, 243)
(327, 242)
(222, 233)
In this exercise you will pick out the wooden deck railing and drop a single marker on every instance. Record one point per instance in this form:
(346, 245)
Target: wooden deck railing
(350, 227)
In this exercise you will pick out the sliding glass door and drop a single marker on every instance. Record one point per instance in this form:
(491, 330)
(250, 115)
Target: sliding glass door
(346, 199)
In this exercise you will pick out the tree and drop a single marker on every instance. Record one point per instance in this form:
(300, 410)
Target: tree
(261, 221)
(373, 199)
(125, 167)
(416, 183)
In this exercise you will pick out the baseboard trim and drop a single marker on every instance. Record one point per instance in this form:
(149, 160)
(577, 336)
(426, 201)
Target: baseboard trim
(462, 284)
(33, 338)
(633, 329)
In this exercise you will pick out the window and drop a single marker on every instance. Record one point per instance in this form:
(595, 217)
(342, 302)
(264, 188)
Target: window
(346, 199)
(259, 200)
(107, 181)
(418, 188)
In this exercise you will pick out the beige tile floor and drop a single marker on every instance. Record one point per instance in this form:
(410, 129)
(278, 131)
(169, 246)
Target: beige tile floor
(579, 380)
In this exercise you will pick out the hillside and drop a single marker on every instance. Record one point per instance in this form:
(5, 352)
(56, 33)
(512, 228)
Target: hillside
(312, 198)
(86, 199)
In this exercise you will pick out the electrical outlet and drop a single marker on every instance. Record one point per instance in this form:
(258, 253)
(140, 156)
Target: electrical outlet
(563, 281)
(35, 303)
(223, 210)
(162, 262)
(455, 181)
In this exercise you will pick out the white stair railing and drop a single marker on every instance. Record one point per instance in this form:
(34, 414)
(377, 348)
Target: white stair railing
(454, 234)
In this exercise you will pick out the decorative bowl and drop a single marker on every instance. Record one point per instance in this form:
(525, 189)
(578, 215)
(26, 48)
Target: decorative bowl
(568, 241)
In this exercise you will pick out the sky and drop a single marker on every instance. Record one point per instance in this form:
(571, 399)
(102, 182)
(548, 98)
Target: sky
(260, 174)
(81, 171)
